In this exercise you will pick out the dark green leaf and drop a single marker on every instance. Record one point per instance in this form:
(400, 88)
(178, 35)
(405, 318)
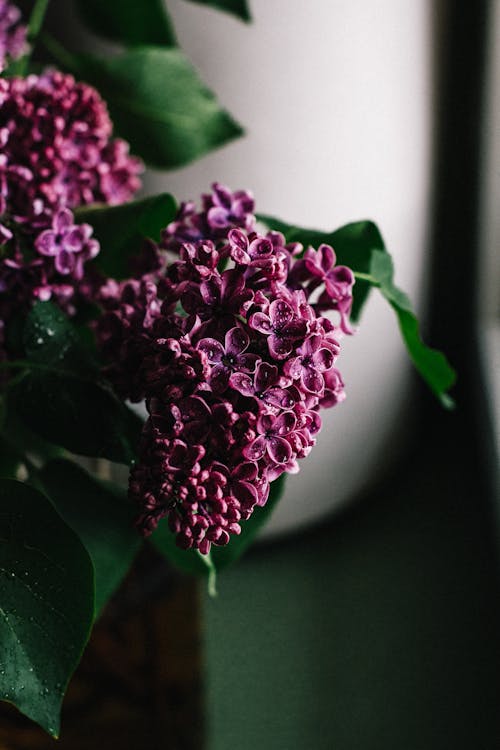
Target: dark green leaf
(129, 22)
(51, 339)
(61, 397)
(361, 247)
(102, 517)
(159, 105)
(121, 230)
(46, 603)
(78, 414)
(238, 8)
(431, 364)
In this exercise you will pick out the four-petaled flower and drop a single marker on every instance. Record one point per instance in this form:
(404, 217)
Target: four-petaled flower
(314, 358)
(228, 358)
(272, 438)
(282, 327)
(68, 243)
(263, 387)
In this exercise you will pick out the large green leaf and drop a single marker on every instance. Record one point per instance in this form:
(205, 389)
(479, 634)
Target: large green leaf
(191, 561)
(61, 397)
(46, 603)
(129, 22)
(237, 8)
(101, 515)
(121, 230)
(360, 246)
(78, 414)
(158, 103)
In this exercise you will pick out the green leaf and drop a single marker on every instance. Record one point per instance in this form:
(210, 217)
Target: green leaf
(159, 105)
(46, 603)
(129, 22)
(360, 246)
(61, 397)
(78, 414)
(431, 364)
(121, 230)
(50, 338)
(190, 561)
(237, 8)
(102, 517)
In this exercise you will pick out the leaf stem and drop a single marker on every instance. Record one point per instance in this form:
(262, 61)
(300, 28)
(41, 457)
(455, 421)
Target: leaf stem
(366, 277)
(36, 19)
(60, 54)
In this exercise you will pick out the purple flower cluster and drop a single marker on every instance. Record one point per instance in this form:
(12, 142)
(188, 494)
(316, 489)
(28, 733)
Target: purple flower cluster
(13, 42)
(231, 349)
(56, 153)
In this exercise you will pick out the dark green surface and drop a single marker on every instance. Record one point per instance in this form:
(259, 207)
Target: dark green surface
(379, 630)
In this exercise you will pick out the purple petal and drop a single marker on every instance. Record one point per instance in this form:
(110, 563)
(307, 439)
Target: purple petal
(238, 243)
(260, 248)
(278, 397)
(278, 347)
(219, 378)
(245, 472)
(63, 220)
(326, 257)
(46, 244)
(213, 350)
(64, 262)
(242, 383)
(260, 322)
(312, 380)
(265, 423)
(296, 329)
(280, 313)
(217, 218)
(232, 283)
(323, 360)
(285, 423)
(279, 450)
(245, 493)
(210, 293)
(265, 376)
(222, 196)
(256, 449)
(236, 341)
(247, 362)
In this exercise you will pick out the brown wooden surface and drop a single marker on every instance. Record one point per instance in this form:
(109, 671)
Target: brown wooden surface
(138, 686)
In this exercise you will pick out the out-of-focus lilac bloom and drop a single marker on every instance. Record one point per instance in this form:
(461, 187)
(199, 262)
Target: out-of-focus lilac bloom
(69, 244)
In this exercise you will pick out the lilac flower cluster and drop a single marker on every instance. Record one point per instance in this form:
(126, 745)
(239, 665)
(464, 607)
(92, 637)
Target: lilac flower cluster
(56, 153)
(13, 42)
(231, 349)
